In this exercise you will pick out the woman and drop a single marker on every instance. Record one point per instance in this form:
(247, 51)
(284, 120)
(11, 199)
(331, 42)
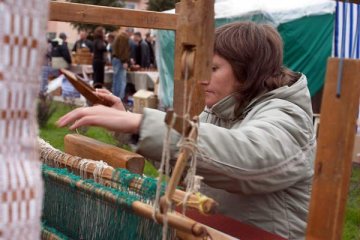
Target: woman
(99, 58)
(256, 131)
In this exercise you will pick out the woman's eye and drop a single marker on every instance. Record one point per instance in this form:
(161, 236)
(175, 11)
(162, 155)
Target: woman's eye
(214, 68)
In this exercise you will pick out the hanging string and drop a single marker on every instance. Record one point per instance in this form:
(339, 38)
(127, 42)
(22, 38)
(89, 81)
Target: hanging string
(186, 75)
(185, 92)
(192, 181)
(164, 169)
(100, 166)
(165, 159)
(82, 167)
(188, 67)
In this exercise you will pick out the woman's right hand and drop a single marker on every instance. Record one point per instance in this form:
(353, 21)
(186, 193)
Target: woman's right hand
(102, 116)
(109, 97)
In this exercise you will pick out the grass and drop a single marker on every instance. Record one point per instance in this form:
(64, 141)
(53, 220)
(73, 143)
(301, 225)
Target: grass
(352, 214)
(55, 136)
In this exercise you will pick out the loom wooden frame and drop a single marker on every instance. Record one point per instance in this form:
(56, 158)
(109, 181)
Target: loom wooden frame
(319, 227)
(193, 34)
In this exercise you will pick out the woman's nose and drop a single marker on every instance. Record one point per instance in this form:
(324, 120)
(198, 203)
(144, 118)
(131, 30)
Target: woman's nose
(204, 82)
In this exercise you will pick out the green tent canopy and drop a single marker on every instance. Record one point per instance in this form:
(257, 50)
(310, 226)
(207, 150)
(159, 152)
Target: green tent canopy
(305, 26)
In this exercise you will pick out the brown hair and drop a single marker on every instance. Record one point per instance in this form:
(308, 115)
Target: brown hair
(99, 33)
(255, 53)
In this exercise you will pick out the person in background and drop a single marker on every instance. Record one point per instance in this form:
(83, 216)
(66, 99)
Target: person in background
(120, 58)
(142, 57)
(132, 44)
(150, 42)
(61, 59)
(109, 39)
(99, 58)
(255, 135)
(60, 55)
(83, 42)
(46, 69)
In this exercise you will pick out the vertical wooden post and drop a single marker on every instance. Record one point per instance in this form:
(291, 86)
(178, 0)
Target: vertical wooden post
(195, 33)
(334, 151)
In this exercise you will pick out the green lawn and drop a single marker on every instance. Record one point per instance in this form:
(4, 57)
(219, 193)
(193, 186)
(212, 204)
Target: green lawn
(55, 137)
(352, 215)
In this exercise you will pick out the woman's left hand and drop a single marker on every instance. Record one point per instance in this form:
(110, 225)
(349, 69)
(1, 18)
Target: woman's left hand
(111, 98)
(102, 116)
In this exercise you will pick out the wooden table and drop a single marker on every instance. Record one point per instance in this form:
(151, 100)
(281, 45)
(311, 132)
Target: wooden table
(143, 79)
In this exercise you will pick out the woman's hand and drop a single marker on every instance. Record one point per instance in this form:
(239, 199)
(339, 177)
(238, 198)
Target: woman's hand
(102, 116)
(108, 96)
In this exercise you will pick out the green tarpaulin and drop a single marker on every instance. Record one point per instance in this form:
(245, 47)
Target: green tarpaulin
(307, 45)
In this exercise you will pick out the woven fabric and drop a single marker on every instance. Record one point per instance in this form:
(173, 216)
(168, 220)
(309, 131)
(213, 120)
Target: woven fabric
(22, 44)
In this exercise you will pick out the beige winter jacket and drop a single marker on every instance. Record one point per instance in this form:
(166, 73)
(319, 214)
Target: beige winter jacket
(258, 166)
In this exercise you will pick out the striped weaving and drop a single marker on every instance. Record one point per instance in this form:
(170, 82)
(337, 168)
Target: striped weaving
(22, 41)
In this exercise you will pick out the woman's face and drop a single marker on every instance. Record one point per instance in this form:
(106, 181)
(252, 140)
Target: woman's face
(222, 82)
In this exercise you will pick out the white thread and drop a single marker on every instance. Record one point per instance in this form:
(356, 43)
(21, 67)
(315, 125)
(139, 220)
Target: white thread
(186, 75)
(100, 166)
(191, 179)
(164, 161)
(184, 142)
(83, 167)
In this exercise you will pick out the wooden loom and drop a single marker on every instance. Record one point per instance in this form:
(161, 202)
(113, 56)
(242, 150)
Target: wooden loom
(195, 205)
(338, 113)
(194, 38)
(185, 226)
(194, 26)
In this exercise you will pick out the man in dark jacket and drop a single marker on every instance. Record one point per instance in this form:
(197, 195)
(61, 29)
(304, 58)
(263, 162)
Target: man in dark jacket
(150, 42)
(60, 55)
(142, 51)
(83, 42)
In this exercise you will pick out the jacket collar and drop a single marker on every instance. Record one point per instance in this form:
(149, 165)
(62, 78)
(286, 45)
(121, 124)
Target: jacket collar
(283, 92)
(227, 108)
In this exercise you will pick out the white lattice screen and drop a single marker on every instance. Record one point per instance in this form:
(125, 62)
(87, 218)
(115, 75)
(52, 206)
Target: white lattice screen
(22, 41)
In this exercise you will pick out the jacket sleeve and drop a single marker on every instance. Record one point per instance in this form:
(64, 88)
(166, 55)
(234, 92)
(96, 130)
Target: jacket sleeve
(145, 57)
(100, 46)
(152, 132)
(265, 154)
(90, 45)
(75, 46)
(65, 53)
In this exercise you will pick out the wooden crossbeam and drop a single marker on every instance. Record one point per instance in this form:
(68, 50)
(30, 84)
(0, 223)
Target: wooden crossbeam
(85, 147)
(83, 13)
(334, 151)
